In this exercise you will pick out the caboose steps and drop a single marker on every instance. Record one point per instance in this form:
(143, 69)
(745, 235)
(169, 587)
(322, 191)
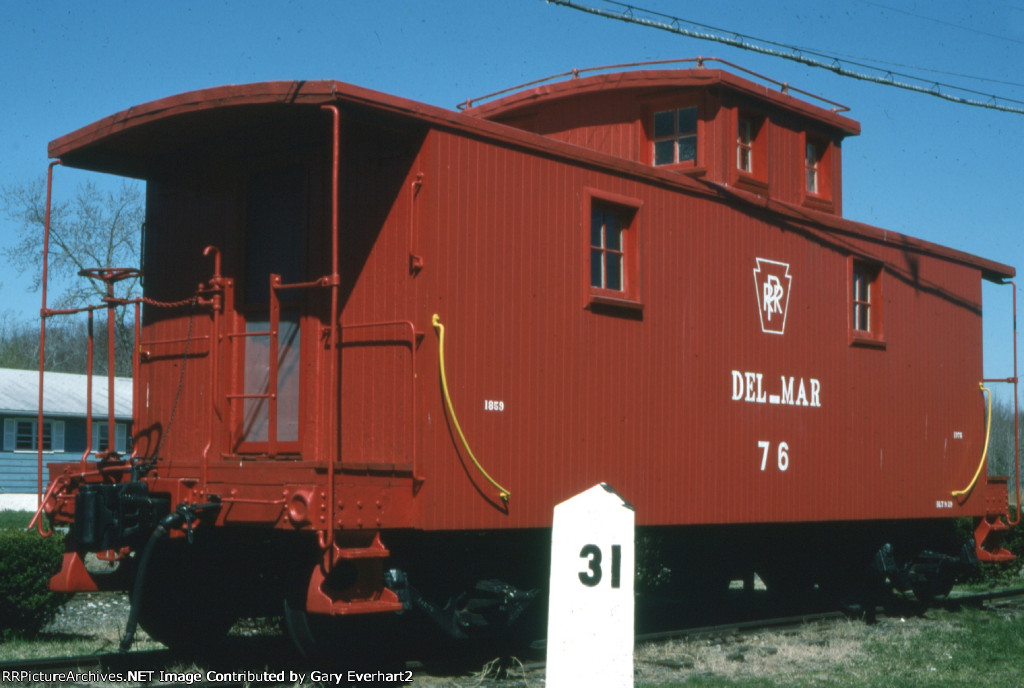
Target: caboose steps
(992, 527)
(988, 536)
(351, 582)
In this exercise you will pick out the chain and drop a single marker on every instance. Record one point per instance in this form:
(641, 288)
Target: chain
(192, 300)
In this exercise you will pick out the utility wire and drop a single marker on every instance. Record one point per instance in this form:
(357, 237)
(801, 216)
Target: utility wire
(961, 27)
(849, 59)
(795, 54)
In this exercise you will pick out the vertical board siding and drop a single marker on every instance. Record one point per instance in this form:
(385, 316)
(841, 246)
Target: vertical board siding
(646, 403)
(639, 398)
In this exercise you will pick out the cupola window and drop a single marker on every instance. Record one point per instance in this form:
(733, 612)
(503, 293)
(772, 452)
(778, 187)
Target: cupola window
(675, 136)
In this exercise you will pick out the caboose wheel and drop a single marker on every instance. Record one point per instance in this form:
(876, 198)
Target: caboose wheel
(185, 599)
(338, 638)
(300, 630)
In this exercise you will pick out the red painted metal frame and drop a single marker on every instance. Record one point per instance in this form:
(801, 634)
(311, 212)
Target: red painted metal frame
(42, 328)
(88, 397)
(333, 454)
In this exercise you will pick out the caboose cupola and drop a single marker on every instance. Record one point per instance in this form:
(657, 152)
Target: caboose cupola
(705, 123)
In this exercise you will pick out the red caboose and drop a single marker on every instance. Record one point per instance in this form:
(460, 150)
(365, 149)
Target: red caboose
(642, 278)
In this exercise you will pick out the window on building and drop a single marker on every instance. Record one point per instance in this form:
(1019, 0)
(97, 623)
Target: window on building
(101, 437)
(20, 435)
(675, 136)
(613, 241)
(866, 301)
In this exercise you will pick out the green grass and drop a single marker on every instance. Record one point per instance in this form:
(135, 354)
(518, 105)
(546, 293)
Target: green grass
(977, 648)
(971, 647)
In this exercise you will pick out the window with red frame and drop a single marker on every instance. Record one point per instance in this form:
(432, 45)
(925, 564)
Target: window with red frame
(865, 301)
(613, 243)
(607, 247)
(745, 136)
(813, 155)
(675, 136)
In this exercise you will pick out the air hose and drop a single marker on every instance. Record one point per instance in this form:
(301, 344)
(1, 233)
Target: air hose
(502, 492)
(984, 452)
(185, 513)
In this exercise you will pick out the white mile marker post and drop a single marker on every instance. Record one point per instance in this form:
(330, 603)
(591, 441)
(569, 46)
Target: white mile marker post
(590, 610)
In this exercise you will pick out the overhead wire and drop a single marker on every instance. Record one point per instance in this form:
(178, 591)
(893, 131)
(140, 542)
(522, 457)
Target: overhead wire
(936, 20)
(805, 56)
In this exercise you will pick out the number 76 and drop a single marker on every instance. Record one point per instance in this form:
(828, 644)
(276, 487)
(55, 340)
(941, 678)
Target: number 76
(782, 454)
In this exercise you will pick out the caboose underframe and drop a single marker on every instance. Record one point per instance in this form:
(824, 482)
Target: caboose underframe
(304, 239)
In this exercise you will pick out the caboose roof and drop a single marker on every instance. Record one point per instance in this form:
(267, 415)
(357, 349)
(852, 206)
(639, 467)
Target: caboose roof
(652, 82)
(144, 139)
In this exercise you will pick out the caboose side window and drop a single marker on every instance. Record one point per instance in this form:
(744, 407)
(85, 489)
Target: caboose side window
(606, 258)
(613, 243)
(675, 136)
(865, 302)
(861, 299)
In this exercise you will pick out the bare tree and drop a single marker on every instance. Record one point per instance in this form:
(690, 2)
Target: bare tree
(96, 228)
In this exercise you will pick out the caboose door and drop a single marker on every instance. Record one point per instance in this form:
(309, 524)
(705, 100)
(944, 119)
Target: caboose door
(266, 422)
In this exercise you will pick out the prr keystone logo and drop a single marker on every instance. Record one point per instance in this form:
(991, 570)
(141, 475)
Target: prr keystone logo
(772, 281)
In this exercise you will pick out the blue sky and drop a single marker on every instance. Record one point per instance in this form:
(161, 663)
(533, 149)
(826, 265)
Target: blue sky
(947, 173)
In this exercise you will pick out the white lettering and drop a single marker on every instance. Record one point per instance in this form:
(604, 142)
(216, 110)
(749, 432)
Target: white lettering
(801, 397)
(748, 386)
(787, 390)
(737, 385)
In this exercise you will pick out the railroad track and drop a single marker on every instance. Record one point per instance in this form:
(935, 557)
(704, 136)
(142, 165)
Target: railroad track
(973, 599)
(147, 668)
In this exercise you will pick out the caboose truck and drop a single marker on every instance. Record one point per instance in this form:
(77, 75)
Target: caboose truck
(380, 340)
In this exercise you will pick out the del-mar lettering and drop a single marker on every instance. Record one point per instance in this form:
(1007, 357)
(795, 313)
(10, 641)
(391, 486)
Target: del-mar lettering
(792, 391)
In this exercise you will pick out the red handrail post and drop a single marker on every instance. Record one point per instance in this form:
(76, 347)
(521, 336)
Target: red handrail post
(334, 372)
(42, 333)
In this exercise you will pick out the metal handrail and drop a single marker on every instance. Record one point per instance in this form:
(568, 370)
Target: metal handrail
(576, 72)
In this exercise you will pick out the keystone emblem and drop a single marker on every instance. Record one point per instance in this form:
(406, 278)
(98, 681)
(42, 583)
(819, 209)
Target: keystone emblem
(772, 281)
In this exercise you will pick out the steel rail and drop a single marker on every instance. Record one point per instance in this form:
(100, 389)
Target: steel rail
(798, 619)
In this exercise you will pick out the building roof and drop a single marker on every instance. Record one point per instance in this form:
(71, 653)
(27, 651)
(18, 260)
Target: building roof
(65, 394)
